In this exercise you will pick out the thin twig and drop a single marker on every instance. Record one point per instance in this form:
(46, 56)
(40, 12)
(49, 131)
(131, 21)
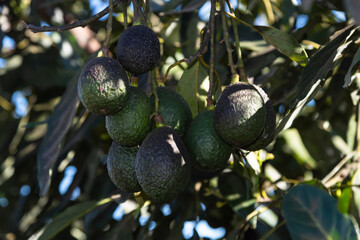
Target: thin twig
(75, 24)
(124, 6)
(159, 121)
(209, 99)
(347, 158)
(191, 59)
(138, 11)
(106, 44)
(147, 9)
(240, 63)
(226, 38)
(271, 231)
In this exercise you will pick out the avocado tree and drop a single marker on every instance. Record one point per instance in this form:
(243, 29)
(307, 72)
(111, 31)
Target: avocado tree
(184, 119)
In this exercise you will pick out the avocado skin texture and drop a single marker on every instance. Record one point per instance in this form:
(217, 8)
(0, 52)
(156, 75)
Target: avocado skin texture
(174, 109)
(240, 114)
(131, 124)
(121, 167)
(162, 165)
(268, 132)
(207, 150)
(138, 49)
(102, 86)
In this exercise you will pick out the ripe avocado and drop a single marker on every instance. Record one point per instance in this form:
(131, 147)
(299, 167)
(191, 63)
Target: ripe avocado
(174, 109)
(207, 150)
(102, 86)
(240, 114)
(268, 132)
(121, 167)
(132, 123)
(162, 165)
(138, 49)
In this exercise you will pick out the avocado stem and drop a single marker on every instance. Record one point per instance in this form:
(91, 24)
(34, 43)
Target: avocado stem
(235, 78)
(226, 38)
(240, 63)
(138, 12)
(209, 98)
(159, 121)
(124, 6)
(134, 81)
(106, 44)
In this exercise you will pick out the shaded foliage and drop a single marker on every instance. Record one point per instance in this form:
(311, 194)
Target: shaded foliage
(306, 59)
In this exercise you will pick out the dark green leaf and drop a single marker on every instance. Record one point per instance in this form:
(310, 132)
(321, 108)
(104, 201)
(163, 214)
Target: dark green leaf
(189, 32)
(355, 60)
(355, 200)
(313, 76)
(72, 213)
(193, 86)
(321, 63)
(58, 124)
(285, 43)
(237, 195)
(311, 213)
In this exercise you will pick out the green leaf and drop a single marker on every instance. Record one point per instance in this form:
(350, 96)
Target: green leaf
(193, 86)
(321, 63)
(295, 143)
(237, 195)
(314, 75)
(344, 200)
(355, 200)
(72, 213)
(285, 43)
(58, 124)
(349, 73)
(311, 213)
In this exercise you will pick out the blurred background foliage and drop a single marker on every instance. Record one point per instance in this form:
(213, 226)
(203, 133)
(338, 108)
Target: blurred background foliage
(44, 127)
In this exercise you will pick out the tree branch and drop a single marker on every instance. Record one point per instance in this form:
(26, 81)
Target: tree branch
(75, 24)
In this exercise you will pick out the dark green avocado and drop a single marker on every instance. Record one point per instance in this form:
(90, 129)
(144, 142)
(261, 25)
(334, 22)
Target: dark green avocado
(132, 123)
(102, 86)
(162, 165)
(121, 167)
(240, 114)
(174, 109)
(207, 150)
(267, 135)
(138, 49)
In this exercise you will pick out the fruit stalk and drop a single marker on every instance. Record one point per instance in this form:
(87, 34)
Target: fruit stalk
(226, 38)
(106, 44)
(159, 121)
(138, 12)
(209, 99)
(240, 63)
(124, 6)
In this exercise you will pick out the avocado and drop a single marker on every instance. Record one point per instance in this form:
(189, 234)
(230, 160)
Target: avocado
(268, 132)
(121, 167)
(102, 86)
(174, 109)
(240, 114)
(132, 123)
(162, 165)
(207, 150)
(138, 49)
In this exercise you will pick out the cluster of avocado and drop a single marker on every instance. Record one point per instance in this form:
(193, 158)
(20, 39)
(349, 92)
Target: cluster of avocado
(159, 160)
